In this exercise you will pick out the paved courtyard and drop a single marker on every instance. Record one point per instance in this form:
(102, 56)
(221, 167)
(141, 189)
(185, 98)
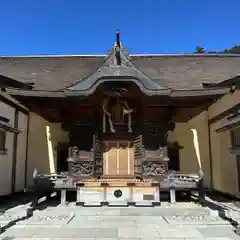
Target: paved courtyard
(178, 221)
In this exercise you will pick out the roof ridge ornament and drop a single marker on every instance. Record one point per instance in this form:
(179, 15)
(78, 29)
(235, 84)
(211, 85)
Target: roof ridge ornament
(118, 47)
(118, 43)
(118, 67)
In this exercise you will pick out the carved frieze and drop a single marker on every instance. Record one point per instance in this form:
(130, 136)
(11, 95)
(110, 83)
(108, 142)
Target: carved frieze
(82, 168)
(73, 152)
(76, 154)
(151, 168)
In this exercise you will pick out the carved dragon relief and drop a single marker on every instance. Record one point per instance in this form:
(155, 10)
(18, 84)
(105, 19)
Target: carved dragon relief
(153, 168)
(156, 162)
(82, 168)
(80, 162)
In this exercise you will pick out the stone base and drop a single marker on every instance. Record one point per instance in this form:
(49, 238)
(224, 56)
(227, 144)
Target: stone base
(118, 196)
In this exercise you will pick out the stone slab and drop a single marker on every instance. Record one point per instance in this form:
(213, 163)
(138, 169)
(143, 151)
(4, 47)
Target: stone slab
(150, 220)
(12, 217)
(210, 232)
(178, 232)
(159, 211)
(138, 233)
(4, 238)
(78, 233)
(12, 233)
(52, 218)
(112, 218)
(195, 220)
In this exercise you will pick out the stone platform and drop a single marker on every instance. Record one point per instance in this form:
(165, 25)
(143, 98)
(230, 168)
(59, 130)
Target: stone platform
(182, 221)
(116, 192)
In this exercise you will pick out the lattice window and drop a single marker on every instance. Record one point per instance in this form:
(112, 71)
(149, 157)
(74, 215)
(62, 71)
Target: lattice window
(2, 141)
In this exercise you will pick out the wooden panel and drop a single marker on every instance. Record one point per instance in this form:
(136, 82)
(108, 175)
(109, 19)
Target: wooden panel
(131, 155)
(118, 158)
(112, 159)
(123, 158)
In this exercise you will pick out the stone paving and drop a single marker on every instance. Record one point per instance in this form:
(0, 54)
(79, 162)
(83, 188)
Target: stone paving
(178, 221)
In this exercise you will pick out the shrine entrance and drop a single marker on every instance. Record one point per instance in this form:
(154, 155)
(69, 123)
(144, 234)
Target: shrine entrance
(118, 158)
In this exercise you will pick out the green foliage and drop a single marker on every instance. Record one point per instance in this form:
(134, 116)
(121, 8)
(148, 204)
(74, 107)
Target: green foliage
(199, 49)
(234, 49)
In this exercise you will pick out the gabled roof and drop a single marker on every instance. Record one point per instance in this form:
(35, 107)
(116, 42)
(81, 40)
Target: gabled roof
(160, 73)
(178, 72)
(117, 67)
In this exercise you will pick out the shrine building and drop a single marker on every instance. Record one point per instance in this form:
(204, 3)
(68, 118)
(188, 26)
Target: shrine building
(121, 120)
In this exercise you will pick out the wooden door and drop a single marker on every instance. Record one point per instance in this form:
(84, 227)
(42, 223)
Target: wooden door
(118, 158)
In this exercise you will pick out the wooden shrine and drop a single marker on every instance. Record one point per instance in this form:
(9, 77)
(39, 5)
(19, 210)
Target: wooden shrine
(118, 119)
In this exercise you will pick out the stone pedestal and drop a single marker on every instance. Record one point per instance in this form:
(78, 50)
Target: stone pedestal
(118, 195)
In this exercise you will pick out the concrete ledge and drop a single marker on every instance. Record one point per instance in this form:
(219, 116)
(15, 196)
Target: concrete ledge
(118, 203)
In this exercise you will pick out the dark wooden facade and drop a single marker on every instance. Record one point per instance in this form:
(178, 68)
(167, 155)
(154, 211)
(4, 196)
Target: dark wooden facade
(135, 145)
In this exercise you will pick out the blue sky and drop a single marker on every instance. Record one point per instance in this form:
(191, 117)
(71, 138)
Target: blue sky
(32, 27)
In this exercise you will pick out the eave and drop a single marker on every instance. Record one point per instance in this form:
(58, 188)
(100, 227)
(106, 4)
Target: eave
(10, 82)
(170, 93)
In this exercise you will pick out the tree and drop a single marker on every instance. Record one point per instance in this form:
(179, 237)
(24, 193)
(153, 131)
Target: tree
(234, 50)
(199, 49)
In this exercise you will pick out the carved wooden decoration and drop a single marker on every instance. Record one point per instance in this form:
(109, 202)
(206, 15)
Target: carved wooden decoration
(97, 156)
(115, 110)
(151, 168)
(155, 162)
(80, 163)
(138, 155)
(82, 168)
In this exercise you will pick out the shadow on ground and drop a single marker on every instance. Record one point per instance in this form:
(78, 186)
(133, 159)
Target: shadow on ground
(21, 199)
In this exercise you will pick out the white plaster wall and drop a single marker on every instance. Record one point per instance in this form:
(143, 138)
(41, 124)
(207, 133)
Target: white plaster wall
(187, 154)
(224, 164)
(6, 160)
(21, 152)
(225, 177)
(39, 155)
